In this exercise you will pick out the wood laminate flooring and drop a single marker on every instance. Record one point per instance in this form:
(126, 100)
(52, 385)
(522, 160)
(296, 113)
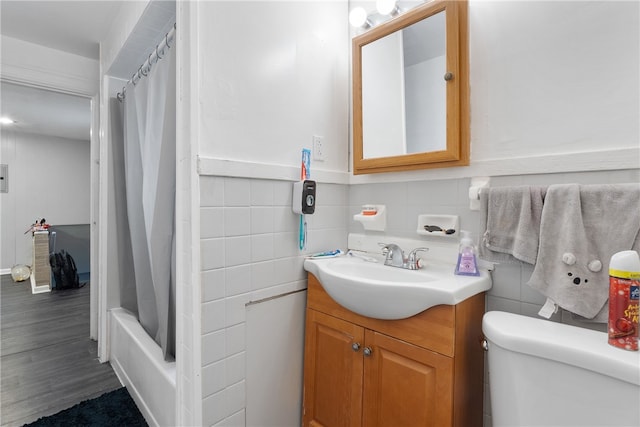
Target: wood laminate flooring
(47, 361)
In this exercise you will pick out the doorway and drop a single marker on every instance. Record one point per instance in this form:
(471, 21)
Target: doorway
(48, 150)
(46, 146)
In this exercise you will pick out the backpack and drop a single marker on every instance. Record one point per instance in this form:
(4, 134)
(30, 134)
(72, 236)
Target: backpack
(64, 270)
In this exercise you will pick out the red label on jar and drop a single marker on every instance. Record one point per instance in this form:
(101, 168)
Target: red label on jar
(623, 313)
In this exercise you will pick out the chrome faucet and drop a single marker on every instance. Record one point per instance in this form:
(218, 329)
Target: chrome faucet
(394, 256)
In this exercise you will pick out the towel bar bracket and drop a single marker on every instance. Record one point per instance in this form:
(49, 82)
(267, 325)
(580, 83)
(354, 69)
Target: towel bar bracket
(477, 185)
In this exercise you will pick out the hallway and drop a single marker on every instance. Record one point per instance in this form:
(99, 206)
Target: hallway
(47, 361)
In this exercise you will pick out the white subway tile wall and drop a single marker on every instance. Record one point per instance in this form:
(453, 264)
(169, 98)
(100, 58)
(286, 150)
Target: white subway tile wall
(249, 251)
(405, 201)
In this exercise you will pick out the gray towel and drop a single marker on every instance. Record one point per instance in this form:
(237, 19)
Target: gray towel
(510, 223)
(581, 228)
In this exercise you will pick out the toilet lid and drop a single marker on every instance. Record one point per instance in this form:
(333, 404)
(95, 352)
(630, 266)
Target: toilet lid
(568, 344)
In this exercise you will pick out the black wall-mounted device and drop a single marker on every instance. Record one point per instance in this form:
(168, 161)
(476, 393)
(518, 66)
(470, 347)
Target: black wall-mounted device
(304, 197)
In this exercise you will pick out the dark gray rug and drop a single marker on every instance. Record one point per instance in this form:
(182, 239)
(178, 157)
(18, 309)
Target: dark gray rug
(115, 408)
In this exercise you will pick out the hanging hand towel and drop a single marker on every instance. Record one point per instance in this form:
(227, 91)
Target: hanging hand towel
(511, 223)
(581, 227)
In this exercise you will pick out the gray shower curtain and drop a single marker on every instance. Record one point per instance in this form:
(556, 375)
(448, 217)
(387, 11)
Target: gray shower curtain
(144, 164)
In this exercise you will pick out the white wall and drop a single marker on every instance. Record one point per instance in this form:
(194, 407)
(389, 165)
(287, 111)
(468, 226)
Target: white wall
(28, 63)
(272, 75)
(553, 77)
(269, 76)
(48, 177)
(554, 88)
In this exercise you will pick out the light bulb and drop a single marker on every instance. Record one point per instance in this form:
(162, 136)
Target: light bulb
(386, 7)
(358, 17)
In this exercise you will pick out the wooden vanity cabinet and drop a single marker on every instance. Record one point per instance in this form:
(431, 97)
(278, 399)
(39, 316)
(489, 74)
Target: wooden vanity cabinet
(423, 371)
(332, 372)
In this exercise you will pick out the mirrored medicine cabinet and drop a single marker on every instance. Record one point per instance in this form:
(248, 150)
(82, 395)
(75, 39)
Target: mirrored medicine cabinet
(410, 91)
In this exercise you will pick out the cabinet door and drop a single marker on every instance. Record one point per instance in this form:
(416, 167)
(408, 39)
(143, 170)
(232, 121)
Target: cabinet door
(332, 372)
(405, 385)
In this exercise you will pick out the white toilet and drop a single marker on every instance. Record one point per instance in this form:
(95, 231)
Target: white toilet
(543, 373)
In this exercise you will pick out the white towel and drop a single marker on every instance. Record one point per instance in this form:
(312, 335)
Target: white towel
(581, 228)
(510, 223)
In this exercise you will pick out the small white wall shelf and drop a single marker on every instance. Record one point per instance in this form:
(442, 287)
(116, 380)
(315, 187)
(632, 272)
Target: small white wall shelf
(377, 222)
(445, 222)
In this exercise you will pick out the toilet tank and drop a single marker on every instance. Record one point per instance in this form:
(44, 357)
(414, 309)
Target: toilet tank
(543, 373)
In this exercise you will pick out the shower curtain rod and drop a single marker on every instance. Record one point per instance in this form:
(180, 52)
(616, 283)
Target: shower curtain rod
(144, 69)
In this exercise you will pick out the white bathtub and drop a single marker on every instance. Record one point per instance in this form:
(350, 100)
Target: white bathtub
(140, 366)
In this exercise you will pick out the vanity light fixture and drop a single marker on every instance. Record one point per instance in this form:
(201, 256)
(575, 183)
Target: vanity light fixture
(388, 7)
(6, 121)
(359, 19)
(385, 10)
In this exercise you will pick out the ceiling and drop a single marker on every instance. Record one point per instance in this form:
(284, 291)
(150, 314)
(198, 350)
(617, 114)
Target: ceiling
(75, 27)
(46, 112)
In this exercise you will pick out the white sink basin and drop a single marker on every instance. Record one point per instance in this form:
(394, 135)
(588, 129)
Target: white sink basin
(383, 292)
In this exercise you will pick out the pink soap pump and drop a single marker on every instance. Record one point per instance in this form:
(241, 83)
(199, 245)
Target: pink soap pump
(467, 263)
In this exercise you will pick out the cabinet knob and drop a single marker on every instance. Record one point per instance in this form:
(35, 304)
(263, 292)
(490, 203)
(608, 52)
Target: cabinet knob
(448, 76)
(367, 351)
(355, 346)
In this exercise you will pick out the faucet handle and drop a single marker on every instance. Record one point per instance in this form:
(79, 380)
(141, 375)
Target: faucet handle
(416, 250)
(387, 247)
(413, 260)
(390, 247)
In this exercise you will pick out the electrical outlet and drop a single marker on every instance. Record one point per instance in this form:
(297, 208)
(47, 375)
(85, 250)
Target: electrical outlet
(318, 148)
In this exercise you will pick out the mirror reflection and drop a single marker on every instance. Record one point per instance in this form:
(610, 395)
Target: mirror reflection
(404, 92)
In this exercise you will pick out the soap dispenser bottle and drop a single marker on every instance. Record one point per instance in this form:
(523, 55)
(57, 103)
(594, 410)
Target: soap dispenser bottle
(467, 263)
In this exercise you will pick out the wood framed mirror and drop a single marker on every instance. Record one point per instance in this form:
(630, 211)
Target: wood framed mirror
(411, 91)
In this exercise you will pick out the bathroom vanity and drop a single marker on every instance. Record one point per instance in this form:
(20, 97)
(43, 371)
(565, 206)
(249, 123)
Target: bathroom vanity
(425, 370)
